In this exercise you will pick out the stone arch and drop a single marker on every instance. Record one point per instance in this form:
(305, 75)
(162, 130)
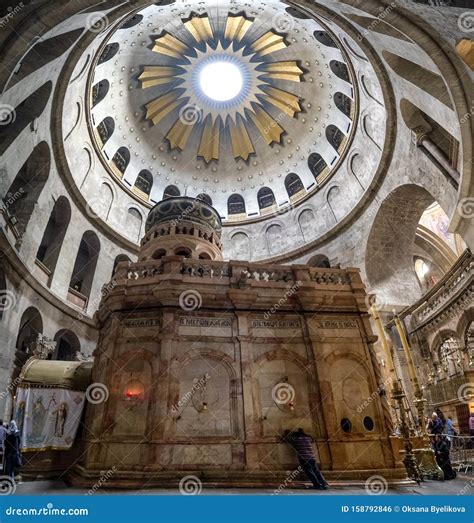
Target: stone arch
(241, 245)
(332, 197)
(464, 322)
(424, 79)
(67, 345)
(24, 114)
(389, 252)
(44, 52)
(275, 238)
(119, 258)
(374, 133)
(84, 268)
(214, 371)
(368, 88)
(31, 325)
(335, 137)
(134, 223)
(377, 25)
(105, 200)
(53, 237)
(26, 188)
(305, 222)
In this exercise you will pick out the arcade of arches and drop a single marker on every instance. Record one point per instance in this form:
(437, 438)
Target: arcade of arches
(338, 161)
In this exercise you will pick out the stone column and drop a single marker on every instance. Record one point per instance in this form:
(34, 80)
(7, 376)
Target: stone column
(422, 139)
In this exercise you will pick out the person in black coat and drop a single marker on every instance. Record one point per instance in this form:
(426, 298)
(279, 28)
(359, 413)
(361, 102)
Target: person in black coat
(441, 450)
(12, 456)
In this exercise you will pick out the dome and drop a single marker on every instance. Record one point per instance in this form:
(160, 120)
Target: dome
(184, 209)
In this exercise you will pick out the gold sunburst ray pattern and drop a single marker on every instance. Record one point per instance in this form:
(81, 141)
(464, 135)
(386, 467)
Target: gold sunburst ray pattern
(261, 94)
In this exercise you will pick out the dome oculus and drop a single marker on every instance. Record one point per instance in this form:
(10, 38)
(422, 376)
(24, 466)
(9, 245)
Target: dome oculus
(220, 80)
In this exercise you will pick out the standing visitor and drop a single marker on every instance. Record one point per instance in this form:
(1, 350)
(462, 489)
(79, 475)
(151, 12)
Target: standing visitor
(302, 443)
(441, 451)
(12, 456)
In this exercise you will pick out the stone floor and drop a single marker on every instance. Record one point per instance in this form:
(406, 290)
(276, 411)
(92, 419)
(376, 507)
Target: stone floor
(463, 485)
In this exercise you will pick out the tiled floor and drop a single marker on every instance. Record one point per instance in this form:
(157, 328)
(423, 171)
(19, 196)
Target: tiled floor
(463, 485)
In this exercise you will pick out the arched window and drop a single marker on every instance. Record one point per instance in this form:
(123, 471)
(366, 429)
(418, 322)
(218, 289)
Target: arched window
(316, 164)
(99, 91)
(84, 269)
(67, 345)
(144, 182)
(105, 129)
(110, 50)
(51, 243)
(296, 13)
(450, 357)
(171, 191)
(121, 159)
(118, 259)
(31, 324)
(266, 198)
(340, 70)
(293, 184)
(320, 260)
(236, 204)
(25, 190)
(183, 251)
(134, 20)
(205, 198)
(334, 136)
(324, 38)
(13, 122)
(343, 103)
(44, 52)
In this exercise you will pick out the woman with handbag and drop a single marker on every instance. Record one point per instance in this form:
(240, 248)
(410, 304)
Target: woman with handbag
(12, 456)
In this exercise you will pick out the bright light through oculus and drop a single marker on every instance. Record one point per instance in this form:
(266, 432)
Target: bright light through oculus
(221, 81)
